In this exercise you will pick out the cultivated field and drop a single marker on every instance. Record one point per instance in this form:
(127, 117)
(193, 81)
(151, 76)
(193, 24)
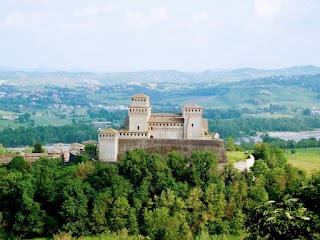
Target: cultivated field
(307, 159)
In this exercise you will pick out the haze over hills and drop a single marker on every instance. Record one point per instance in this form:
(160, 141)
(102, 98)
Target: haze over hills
(11, 76)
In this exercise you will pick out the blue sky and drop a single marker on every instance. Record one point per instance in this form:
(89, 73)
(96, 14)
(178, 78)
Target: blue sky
(188, 35)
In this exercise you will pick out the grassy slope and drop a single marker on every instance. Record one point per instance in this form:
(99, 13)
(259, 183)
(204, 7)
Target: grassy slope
(236, 156)
(307, 159)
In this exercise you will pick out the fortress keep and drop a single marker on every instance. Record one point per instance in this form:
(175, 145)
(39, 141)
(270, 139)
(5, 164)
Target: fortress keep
(159, 132)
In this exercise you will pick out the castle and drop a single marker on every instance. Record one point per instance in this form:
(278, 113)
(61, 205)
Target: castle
(159, 132)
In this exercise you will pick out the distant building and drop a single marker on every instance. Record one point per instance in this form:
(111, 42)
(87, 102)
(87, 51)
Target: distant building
(315, 112)
(185, 132)
(101, 124)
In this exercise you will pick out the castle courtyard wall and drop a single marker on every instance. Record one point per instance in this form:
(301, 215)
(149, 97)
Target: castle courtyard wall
(163, 146)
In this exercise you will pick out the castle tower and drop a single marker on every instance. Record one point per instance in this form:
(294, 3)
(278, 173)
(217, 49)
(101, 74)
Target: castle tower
(108, 145)
(192, 115)
(139, 113)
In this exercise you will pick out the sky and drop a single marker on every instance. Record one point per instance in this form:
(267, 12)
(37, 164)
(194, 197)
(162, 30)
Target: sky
(186, 35)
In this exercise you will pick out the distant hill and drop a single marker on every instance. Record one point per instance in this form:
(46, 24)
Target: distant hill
(72, 79)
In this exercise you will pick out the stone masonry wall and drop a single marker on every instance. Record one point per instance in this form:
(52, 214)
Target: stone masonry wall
(162, 146)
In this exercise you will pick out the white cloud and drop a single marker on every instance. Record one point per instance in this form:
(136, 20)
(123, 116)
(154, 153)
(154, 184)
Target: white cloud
(14, 18)
(90, 10)
(202, 17)
(156, 15)
(19, 19)
(268, 10)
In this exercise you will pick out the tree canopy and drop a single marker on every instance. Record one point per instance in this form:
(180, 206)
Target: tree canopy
(173, 197)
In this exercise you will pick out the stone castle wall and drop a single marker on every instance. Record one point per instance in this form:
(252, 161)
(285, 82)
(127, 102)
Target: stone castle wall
(162, 146)
(167, 132)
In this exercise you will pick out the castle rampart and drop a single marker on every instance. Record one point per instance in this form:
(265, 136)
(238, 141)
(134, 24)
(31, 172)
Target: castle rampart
(163, 146)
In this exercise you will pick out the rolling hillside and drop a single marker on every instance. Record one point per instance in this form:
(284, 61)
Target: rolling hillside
(72, 79)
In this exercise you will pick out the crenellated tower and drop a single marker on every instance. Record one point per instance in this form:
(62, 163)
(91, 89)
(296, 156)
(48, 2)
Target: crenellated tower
(192, 115)
(108, 145)
(139, 113)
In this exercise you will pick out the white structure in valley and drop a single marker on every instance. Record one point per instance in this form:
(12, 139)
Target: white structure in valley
(143, 124)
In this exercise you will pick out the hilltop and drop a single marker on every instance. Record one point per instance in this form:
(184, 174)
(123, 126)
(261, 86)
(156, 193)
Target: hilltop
(73, 79)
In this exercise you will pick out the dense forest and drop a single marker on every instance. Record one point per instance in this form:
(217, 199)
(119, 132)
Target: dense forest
(291, 144)
(176, 197)
(243, 127)
(28, 136)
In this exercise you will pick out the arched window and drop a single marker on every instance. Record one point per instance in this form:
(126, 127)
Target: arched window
(138, 128)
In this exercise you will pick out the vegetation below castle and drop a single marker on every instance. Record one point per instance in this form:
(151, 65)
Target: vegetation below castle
(176, 197)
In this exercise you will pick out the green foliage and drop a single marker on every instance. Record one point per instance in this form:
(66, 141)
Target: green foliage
(82, 158)
(231, 146)
(307, 112)
(291, 144)
(288, 219)
(18, 163)
(27, 136)
(160, 224)
(203, 166)
(2, 151)
(74, 208)
(24, 117)
(38, 148)
(177, 197)
(242, 127)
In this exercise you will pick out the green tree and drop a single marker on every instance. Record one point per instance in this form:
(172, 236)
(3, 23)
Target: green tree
(203, 167)
(122, 216)
(287, 219)
(261, 151)
(18, 163)
(91, 149)
(37, 148)
(1, 149)
(101, 208)
(197, 215)
(29, 221)
(178, 165)
(159, 224)
(307, 112)
(231, 146)
(215, 202)
(74, 208)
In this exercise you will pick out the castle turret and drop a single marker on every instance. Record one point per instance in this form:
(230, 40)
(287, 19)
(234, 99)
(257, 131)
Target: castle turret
(139, 113)
(108, 145)
(192, 115)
